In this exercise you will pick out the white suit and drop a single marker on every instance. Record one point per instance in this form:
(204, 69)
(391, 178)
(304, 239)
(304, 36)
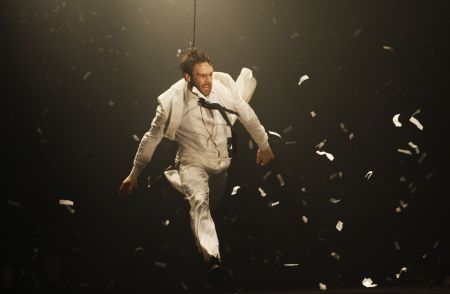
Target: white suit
(202, 157)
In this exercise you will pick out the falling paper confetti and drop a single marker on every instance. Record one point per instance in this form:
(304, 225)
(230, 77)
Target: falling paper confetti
(136, 138)
(288, 129)
(322, 286)
(272, 204)
(369, 173)
(403, 269)
(261, 191)
(388, 48)
(334, 200)
(403, 204)
(86, 75)
(140, 248)
(339, 226)
(398, 209)
(275, 134)
(291, 264)
(235, 189)
(417, 112)
(395, 120)
(416, 122)
(305, 219)
(321, 144)
(167, 222)
(404, 151)
(65, 202)
(335, 255)
(351, 136)
(313, 114)
(160, 264)
(397, 245)
(415, 147)
(266, 175)
(294, 35)
(111, 103)
(302, 79)
(328, 155)
(281, 180)
(368, 283)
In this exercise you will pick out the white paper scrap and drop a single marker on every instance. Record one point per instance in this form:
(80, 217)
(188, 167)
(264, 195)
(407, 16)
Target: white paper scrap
(136, 138)
(339, 226)
(335, 255)
(305, 219)
(388, 48)
(368, 283)
(328, 155)
(275, 134)
(369, 173)
(302, 79)
(288, 129)
(281, 180)
(405, 151)
(235, 189)
(86, 75)
(403, 204)
(415, 147)
(398, 209)
(322, 286)
(272, 204)
(140, 248)
(65, 202)
(416, 122)
(291, 264)
(261, 191)
(395, 120)
(160, 264)
(266, 175)
(321, 144)
(417, 112)
(397, 245)
(313, 114)
(403, 269)
(335, 200)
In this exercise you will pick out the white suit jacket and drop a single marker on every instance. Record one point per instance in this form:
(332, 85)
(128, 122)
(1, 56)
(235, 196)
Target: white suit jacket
(172, 101)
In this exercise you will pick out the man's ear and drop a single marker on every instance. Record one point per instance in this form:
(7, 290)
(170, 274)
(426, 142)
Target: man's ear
(187, 77)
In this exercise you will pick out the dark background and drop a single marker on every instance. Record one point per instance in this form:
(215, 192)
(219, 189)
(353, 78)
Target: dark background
(80, 78)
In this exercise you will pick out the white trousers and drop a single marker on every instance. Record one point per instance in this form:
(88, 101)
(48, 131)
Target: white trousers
(203, 189)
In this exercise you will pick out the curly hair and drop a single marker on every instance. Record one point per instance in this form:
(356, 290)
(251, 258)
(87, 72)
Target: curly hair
(190, 57)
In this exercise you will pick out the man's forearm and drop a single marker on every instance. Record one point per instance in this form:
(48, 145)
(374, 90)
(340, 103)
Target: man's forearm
(149, 142)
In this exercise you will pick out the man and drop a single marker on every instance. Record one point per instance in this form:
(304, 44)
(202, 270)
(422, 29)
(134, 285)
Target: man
(197, 112)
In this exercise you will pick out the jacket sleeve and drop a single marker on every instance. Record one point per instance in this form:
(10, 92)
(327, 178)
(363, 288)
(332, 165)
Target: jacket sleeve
(248, 118)
(149, 142)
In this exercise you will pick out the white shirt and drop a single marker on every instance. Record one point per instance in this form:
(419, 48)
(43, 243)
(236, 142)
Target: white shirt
(202, 134)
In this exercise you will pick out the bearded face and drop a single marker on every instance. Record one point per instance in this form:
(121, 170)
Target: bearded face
(202, 76)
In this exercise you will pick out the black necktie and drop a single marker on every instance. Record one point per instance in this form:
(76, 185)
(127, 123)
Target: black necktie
(206, 104)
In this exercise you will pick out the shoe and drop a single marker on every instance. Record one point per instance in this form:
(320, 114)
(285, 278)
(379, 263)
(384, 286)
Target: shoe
(216, 274)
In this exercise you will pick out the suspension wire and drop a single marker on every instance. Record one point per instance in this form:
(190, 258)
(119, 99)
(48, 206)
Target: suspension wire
(195, 16)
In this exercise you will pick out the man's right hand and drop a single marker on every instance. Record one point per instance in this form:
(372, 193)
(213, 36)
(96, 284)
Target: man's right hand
(127, 186)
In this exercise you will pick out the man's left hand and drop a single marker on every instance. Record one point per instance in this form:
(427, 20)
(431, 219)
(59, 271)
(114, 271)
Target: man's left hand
(264, 156)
